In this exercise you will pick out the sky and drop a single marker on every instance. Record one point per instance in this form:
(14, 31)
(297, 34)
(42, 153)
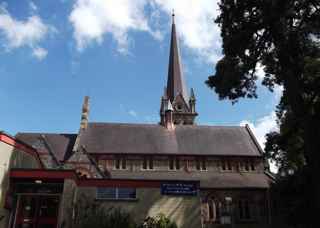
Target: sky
(54, 52)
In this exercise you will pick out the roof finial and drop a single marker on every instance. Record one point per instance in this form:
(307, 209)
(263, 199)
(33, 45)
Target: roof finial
(172, 16)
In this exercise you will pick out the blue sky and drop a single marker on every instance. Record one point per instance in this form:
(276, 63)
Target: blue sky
(53, 53)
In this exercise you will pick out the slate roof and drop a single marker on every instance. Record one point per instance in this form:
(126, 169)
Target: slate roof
(215, 180)
(117, 138)
(61, 144)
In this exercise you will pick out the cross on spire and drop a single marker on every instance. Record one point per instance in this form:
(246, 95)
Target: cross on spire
(172, 16)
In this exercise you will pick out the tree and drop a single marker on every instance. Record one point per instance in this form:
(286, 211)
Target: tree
(283, 36)
(285, 147)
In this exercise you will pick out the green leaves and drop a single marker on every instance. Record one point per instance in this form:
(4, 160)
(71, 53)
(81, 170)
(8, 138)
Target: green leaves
(274, 33)
(232, 79)
(160, 221)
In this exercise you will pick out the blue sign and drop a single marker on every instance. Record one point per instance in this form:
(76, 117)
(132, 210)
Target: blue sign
(179, 188)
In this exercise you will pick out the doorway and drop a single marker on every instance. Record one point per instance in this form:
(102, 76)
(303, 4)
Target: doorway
(37, 211)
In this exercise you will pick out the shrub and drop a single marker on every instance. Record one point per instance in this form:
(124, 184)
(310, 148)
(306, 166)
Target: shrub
(160, 221)
(101, 218)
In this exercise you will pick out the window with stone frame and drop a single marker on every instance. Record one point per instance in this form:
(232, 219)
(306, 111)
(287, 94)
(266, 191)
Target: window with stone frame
(102, 164)
(201, 163)
(116, 193)
(147, 163)
(226, 165)
(120, 163)
(247, 166)
(213, 209)
(244, 209)
(174, 163)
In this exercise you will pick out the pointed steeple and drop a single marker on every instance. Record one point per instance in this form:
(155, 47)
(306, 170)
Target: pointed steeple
(176, 83)
(176, 107)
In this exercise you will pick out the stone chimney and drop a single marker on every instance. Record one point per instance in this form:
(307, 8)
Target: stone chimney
(85, 113)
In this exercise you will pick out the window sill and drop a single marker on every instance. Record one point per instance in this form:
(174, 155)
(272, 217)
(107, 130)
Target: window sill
(226, 171)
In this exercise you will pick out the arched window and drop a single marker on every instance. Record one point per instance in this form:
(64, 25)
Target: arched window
(244, 209)
(213, 210)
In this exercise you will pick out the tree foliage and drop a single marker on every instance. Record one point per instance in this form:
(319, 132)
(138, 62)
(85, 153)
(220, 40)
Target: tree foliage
(286, 146)
(282, 37)
(95, 216)
(160, 221)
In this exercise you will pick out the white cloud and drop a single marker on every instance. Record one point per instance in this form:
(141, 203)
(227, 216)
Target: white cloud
(19, 33)
(133, 113)
(92, 19)
(39, 53)
(33, 6)
(260, 72)
(278, 91)
(196, 27)
(262, 126)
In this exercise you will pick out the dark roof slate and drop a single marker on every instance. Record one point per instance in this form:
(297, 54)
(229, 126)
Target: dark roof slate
(61, 144)
(117, 138)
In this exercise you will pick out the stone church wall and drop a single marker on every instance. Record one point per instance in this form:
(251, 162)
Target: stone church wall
(258, 207)
(184, 210)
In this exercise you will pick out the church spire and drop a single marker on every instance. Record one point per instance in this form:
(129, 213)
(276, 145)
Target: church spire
(176, 84)
(176, 107)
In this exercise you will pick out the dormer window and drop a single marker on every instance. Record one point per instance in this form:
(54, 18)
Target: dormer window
(147, 163)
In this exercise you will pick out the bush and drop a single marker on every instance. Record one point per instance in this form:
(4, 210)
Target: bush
(160, 221)
(101, 218)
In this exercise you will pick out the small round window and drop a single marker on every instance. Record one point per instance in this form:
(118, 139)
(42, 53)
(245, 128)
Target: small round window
(179, 107)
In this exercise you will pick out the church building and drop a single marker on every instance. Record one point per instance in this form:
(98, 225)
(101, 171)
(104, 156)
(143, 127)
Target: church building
(198, 176)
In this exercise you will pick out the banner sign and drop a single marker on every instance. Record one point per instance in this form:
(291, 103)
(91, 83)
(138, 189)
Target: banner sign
(179, 188)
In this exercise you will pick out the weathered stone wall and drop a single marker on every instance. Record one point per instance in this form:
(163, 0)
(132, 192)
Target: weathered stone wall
(258, 207)
(67, 204)
(185, 211)
(11, 158)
